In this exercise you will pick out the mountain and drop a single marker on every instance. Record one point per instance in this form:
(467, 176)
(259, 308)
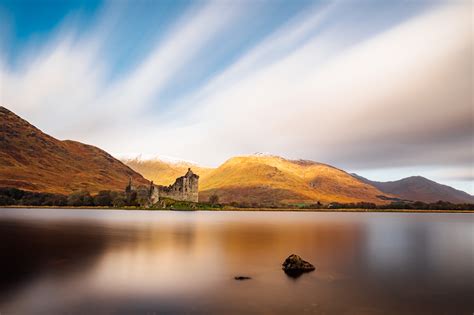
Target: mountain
(271, 179)
(265, 179)
(418, 188)
(162, 171)
(34, 161)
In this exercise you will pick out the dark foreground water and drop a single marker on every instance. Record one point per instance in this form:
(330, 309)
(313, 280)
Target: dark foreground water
(100, 262)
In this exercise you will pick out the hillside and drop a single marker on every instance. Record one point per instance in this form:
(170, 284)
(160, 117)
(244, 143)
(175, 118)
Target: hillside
(273, 180)
(162, 172)
(265, 179)
(32, 160)
(418, 188)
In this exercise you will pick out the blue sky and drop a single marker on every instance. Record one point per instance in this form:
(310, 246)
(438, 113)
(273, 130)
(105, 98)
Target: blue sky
(383, 88)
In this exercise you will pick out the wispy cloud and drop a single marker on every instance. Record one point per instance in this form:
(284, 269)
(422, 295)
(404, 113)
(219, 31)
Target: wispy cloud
(400, 96)
(67, 76)
(189, 35)
(384, 100)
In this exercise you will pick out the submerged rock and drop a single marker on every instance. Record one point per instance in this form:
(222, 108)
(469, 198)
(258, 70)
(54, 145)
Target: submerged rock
(295, 266)
(242, 278)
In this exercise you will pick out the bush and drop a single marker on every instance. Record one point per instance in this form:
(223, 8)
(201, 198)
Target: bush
(103, 198)
(142, 196)
(80, 198)
(54, 200)
(6, 201)
(13, 193)
(131, 199)
(119, 202)
(214, 199)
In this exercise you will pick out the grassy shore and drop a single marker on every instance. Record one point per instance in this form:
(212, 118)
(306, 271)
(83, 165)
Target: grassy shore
(230, 209)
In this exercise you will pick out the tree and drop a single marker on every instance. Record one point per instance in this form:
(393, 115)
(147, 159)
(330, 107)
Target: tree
(143, 196)
(119, 202)
(131, 198)
(214, 199)
(13, 193)
(80, 198)
(54, 200)
(6, 201)
(103, 199)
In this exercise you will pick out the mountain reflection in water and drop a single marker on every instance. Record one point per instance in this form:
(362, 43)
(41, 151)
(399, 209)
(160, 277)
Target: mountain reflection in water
(96, 261)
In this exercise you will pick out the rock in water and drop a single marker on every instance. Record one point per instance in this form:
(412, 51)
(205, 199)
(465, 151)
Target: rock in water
(295, 266)
(242, 278)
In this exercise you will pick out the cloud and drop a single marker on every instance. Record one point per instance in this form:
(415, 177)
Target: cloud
(60, 79)
(460, 174)
(402, 97)
(67, 75)
(190, 34)
(398, 97)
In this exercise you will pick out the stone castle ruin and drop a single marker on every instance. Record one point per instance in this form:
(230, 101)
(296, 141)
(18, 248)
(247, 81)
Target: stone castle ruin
(185, 188)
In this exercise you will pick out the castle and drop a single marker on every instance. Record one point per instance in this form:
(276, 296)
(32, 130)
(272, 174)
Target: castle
(185, 188)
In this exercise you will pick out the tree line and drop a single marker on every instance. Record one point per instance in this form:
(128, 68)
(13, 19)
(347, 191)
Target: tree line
(406, 205)
(82, 198)
(107, 198)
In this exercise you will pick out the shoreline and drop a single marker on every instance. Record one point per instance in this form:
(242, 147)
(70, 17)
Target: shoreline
(246, 209)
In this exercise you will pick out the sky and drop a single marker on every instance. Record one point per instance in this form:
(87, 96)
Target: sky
(380, 88)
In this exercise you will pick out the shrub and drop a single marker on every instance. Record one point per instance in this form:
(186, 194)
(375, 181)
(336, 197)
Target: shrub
(80, 198)
(6, 200)
(119, 202)
(214, 199)
(103, 199)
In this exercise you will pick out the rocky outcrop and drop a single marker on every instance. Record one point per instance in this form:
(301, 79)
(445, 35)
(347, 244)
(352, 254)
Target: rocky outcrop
(295, 266)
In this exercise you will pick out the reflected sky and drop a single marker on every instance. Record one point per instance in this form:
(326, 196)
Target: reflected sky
(88, 261)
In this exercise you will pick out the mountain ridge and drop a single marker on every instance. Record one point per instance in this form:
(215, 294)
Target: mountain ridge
(267, 179)
(259, 191)
(296, 181)
(33, 160)
(419, 188)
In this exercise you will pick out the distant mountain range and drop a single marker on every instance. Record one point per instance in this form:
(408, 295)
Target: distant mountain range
(421, 189)
(32, 160)
(266, 179)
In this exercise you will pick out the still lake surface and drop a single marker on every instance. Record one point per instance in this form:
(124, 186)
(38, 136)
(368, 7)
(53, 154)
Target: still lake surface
(57, 261)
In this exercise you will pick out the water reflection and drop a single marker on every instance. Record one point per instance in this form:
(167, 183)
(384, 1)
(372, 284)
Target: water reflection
(76, 261)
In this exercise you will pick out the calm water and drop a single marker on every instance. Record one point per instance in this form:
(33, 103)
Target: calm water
(87, 261)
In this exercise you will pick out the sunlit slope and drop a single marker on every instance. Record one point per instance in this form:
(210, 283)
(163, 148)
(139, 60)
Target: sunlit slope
(32, 160)
(272, 179)
(163, 172)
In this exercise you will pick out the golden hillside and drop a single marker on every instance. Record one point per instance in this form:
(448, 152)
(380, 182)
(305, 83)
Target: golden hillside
(265, 179)
(272, 179)
(32, 160)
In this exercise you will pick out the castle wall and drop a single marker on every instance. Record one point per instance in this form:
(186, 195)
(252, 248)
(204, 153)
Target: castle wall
(185, 188)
